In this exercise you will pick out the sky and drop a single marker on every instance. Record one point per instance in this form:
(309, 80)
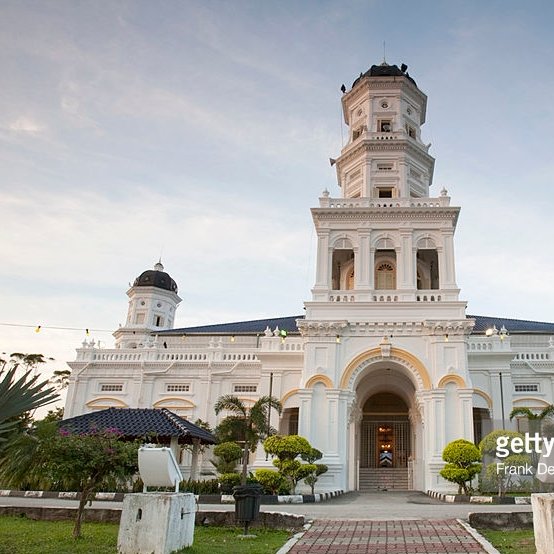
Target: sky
(200, 132)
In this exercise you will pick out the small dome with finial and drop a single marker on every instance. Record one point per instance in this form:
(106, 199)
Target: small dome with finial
(385, 70)
(156, 277)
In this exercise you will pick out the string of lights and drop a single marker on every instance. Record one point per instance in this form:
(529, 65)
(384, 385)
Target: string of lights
(39, 328)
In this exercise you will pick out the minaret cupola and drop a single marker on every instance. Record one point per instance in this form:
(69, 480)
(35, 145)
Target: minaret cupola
(384, 156)
(153, 300)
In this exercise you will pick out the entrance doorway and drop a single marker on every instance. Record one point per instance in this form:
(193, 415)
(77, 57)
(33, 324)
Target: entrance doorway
(385, 432)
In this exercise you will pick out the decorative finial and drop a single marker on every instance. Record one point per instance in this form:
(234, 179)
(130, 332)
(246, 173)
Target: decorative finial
(444, 192)
(159, 266)
(384, 53)
(325, 193)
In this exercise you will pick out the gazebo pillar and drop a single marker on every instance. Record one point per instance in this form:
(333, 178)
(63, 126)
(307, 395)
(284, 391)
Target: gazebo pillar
(175, 448)
(194, 459)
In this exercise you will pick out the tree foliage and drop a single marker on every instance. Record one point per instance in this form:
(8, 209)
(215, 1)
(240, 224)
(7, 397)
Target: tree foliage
(272, 481)
(287, 448)
(488, 444)
(319, 469)
(463, 465)
(52, 458)
(88, 461)
(536, 420)
(228, 454)
(21, 393)
(497, 475)
(494, 473)
(247, 425)
(548, 411)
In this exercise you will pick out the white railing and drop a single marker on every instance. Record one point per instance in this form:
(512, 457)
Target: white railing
(532, 356)
(428, 296)
(485, 346)
(342, 296)
(339, 203)
(102, 355)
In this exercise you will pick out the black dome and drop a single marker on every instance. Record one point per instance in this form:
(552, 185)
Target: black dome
(385, 70)
(156, 277)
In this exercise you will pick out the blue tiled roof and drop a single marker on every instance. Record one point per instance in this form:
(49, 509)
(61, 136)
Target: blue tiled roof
(258, 326)
(482, 323)
(138, 423)
(241, 327)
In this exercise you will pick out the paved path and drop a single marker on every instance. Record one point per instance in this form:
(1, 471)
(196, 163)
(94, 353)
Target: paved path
(443, 536)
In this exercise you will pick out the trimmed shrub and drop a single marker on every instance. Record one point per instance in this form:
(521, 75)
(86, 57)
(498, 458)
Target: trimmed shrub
(229, 455)
(287, 447)
(494, 478)
(228, 481)
(488, 444)
(313, 478)
(463, 465)
(272, 481)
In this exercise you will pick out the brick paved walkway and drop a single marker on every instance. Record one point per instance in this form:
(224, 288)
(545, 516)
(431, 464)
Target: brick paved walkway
(444, 536)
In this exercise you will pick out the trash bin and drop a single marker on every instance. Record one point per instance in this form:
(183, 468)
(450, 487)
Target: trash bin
(247, 503)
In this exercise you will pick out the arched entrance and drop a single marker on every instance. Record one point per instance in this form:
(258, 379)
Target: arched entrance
(385, 440)
(388, 431)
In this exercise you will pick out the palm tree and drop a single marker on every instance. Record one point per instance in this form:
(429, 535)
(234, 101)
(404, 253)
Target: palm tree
(535, 420)
(246, 425)
(20, 395)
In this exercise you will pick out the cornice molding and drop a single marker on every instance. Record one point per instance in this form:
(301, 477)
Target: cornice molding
(393, 214)
(397, 144)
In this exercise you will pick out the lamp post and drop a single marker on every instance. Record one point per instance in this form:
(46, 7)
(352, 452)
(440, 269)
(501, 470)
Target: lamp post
(269, 406)
(502, 400)
(502, 334)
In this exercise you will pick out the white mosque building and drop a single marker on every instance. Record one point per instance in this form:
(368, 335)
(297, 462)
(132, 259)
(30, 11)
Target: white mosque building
(384, 367)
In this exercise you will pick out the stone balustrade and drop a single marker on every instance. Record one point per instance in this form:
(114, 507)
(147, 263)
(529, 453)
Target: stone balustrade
(340, 203)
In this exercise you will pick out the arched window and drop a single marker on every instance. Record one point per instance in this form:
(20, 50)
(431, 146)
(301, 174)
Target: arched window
(427, 269)
(342, 277)
(385, 276)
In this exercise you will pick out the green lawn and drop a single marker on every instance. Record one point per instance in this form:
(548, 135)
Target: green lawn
(25, 536)
(511, 542)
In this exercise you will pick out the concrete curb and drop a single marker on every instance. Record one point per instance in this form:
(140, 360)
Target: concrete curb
(293, 540)
(200, 499)
(501, 521)
(462, 498)
(489, 548)
(272, 520)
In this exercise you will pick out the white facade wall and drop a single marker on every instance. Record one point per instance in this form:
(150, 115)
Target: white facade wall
(358, 340)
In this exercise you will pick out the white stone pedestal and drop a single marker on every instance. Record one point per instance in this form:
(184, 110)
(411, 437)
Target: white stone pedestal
(156, 523)
(543, 521)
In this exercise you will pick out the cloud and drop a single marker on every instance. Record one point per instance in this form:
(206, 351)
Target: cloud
(26, 124)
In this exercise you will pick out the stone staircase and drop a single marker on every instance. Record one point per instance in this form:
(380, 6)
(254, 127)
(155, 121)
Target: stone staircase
(376, 479)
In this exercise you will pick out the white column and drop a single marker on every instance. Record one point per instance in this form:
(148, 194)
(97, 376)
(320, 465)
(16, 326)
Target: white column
(334, 427)
(407, 280)
(322, 266)
(305, 413)
(194, 459)
(403, 188)
(448, 262)
(366, 184)
(371, 269)
(466, 401)
(362, 277)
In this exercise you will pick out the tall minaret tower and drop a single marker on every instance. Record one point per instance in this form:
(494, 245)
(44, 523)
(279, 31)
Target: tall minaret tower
(153, 300)
(385, 240)
(385, 330)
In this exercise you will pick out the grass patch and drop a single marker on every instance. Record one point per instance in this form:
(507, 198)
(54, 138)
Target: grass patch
(511, 542)
(19, 535)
